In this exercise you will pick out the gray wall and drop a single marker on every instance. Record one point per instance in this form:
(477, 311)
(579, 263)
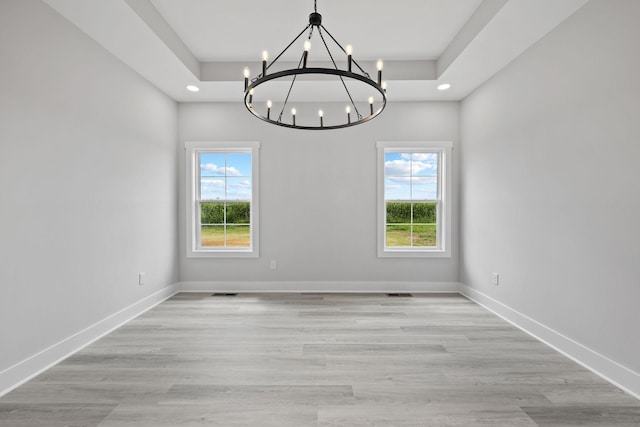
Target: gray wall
(87, 182)
(551, 184)
(318, 196)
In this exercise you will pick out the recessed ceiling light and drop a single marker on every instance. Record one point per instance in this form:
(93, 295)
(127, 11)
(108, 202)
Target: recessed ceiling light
(193, 88)
(444, 86)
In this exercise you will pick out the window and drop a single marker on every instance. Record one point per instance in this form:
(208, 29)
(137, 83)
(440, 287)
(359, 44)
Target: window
(414, 185)
(222, 205)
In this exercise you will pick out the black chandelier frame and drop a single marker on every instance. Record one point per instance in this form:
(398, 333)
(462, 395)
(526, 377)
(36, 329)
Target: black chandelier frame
(315, 22)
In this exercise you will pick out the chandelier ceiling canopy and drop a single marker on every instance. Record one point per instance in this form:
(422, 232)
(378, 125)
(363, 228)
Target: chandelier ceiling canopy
(269, 95)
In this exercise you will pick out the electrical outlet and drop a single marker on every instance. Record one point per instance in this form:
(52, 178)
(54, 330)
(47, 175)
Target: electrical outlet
(274, 264)
(141, 279)
(495, 279)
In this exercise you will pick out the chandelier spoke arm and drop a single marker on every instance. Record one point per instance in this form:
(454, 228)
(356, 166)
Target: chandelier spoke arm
(343, 50)
(327, 47)
(286, 100)
(290, 44)
(293, 81)
(355, 107)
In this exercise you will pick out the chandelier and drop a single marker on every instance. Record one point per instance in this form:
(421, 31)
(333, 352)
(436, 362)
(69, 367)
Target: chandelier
(272, 95)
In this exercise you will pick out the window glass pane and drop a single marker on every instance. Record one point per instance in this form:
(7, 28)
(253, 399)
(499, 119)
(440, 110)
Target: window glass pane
(212, 164)
(238, 213)
(212, 213)
(398, 213)
(225, 178)
(424, 164)
(423, 235)
(425, 213)
(398, 235)
(239, 236)
(212, 235)
(238, 188)
(239, 164)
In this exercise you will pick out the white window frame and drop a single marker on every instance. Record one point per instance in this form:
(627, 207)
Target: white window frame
(192, 150)
(443, 245)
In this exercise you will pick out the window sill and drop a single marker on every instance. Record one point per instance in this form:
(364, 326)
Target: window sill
(413, 253)
(227, 253)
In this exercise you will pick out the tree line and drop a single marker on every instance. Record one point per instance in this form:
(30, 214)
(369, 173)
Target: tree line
(400, 212)
(240, 212)
(213, 212)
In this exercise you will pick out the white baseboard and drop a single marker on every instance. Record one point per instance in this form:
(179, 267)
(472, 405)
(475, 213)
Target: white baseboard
(27, 369)
(311, 286)
(621, 376)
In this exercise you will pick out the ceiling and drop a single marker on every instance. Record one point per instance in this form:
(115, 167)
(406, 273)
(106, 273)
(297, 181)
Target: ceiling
(424, 43)
(231, 30)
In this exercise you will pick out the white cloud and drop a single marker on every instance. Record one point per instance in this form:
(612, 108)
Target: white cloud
(406, 167)
(423, 157)
(413, 179)
(213, 182)
(213, 168)
(241, 185)
(397, 167)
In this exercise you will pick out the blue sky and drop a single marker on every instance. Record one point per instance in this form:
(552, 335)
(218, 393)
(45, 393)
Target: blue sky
(410, 176)
(225, 176)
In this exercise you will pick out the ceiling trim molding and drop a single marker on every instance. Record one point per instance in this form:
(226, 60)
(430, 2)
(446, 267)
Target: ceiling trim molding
(499, 31)
(150, 15)
(478, 21)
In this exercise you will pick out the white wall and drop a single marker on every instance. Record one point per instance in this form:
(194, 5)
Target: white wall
(88, 187)
(318, 199)
(550, 186)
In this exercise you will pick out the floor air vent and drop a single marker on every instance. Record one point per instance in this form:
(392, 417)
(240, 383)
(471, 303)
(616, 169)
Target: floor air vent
(400, 295)
(224, 295)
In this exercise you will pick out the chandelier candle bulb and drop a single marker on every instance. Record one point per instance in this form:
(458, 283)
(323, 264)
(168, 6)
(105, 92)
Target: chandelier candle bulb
(293, 114)
(349, 56)
(348, 110)
(379, 66)
(269, 105)
(321, 114)
(307, 48)
(371, 104)
(251, 96)
(384, 86)
(265, 57)
(247, 73)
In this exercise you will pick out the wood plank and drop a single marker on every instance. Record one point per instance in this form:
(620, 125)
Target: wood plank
(317, 360)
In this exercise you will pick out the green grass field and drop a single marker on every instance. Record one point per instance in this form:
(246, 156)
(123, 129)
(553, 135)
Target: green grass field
(238, 236)
(400, 235)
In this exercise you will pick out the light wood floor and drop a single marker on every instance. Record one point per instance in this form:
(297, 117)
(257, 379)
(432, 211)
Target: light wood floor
(318, 360)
